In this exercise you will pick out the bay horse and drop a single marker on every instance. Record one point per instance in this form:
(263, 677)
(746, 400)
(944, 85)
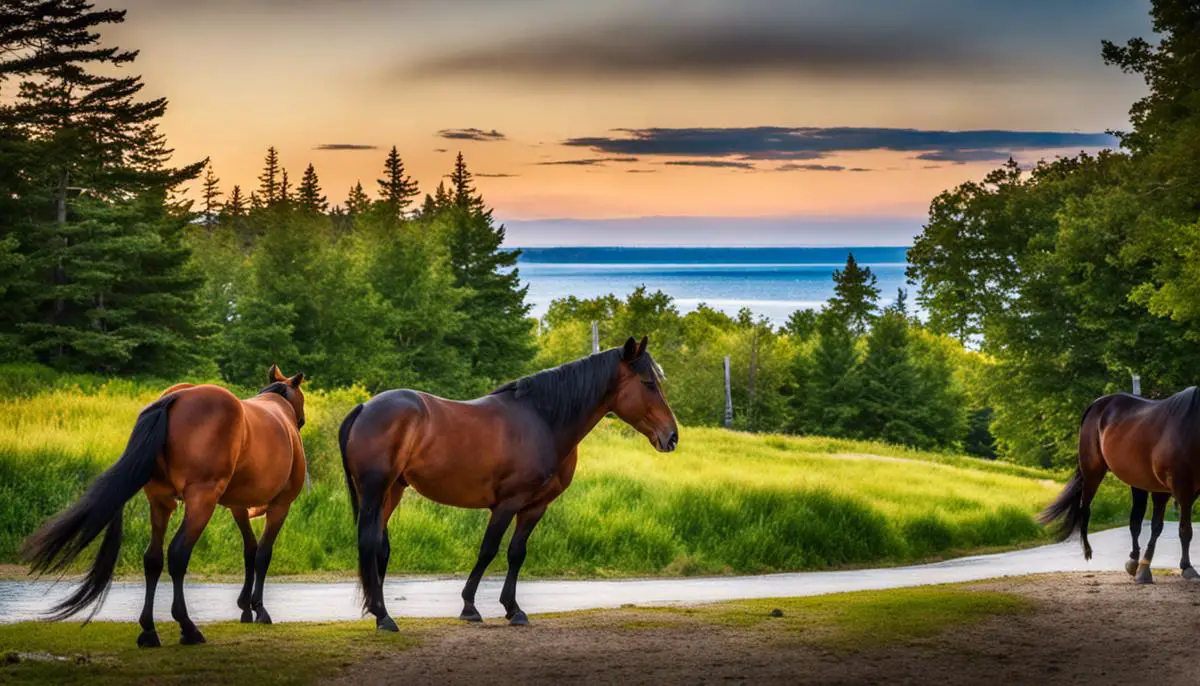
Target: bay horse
(512, 452)
(203, 446)
(1151, 445)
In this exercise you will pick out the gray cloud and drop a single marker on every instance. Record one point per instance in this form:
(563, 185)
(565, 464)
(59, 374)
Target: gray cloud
(793, 143)
(790, 166)
(472, 134)
(716, 164)
(589, 161)
(500, 175)
(346, 146)
(964, 156)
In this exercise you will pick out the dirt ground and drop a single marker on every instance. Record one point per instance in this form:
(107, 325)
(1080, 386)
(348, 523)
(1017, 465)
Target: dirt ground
(1081, 629)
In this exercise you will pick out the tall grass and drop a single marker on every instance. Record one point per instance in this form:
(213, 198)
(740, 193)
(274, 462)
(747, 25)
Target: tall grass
(724, 502)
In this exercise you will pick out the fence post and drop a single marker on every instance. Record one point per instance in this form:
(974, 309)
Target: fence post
(728, 398)
(595, 336)
(1137, 384)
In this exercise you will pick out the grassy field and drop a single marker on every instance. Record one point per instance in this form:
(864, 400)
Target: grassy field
(104, 652)
(724, 502)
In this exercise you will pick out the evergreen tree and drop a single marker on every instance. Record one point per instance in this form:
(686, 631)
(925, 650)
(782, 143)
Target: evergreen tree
(828, 390)
(357, 201)
(268, 180)
(284, 199)
(256, 202)
(801, 325)
(396, 190)
(855, 294)
(236, 206)
(496, 334)
(104, 286)
(211, 195)
(309, 194)
(441, 197)
(890, 399)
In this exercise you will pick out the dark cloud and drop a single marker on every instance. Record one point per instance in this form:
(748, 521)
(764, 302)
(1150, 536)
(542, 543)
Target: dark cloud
(641, 171)
(440, 150)
(501, 175)
(790, 166)
(793, 143)
(717, 164)
(964, 156)
(472, 134)
(589, 161)
(346, 146)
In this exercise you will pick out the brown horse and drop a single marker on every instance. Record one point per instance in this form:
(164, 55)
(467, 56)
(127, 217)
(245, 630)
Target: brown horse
(1152, 445)
(512, 452)
(201, 445)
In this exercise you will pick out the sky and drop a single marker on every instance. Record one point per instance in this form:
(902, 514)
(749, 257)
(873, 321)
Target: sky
(624, 122)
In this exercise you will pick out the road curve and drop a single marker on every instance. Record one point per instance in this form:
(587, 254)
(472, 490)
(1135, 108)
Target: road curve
(423, 597)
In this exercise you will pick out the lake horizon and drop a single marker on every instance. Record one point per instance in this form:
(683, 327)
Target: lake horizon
(772, 282)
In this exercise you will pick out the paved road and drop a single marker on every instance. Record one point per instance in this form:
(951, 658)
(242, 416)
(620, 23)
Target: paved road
(411, 597)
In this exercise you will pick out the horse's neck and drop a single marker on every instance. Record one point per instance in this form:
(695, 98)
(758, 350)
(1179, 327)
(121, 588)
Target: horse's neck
(572, 436)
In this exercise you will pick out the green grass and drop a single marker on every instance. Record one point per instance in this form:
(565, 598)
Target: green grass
(105, 653)
(724, 502)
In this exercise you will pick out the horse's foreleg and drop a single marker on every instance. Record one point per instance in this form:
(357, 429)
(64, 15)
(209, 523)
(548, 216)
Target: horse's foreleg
(1144, 575)
(526, 521)
(249, 549)
(199, 503)
(152, 563)
(276, 515)
(501, 517)
(1184, 497)
(1136, 514)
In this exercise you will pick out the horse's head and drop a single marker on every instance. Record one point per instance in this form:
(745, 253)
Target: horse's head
(290, 390)
(640, 401)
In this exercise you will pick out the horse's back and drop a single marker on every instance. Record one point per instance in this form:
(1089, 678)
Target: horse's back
(1144, 441)
(204, 433)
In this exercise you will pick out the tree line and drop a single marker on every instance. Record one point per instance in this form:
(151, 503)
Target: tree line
(1078, 273)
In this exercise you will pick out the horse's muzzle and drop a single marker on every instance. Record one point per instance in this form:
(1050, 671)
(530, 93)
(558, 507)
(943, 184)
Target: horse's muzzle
(668, 444)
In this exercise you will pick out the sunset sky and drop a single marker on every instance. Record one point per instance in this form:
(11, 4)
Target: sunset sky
(826, 121)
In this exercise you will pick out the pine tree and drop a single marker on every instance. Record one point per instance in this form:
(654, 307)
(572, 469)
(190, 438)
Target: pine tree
(236, 206)
(855, 295)
(211, 195)
(441, 197)
(309, 194)
(284, 199)
(890, 403)
(496, 333)
(268, 180)
(108, 288)
(396, 190)
(828, 390)
(256, 202)
(357, 201)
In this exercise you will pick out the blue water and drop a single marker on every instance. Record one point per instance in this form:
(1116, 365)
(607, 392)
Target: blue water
(772, 282)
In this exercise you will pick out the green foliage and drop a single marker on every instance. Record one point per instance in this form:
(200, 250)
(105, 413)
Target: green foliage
(855, 295)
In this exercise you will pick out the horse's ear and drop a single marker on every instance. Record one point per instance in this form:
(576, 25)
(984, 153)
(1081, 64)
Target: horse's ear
(296, 380)
(642, 346)
(275, 375)
(630, 352)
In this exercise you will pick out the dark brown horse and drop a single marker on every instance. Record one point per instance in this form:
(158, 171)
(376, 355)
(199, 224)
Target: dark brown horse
(512, 452)
(1152, 445)
(203, 446)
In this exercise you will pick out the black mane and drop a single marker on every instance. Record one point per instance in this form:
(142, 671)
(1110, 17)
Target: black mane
(563, 394)
(278, 387)
(1184, 404)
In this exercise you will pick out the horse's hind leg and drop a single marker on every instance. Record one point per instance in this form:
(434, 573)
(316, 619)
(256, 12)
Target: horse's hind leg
(373, 489)
(1144, 576)
(526, 521)
(249, 550)
(199, 503)
(152, 562)
(1136, 514)
(501, 517)
(276, 515)
(1185, 497)
(1093, 476)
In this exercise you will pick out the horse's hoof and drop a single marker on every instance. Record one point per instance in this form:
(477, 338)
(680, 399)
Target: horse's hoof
(1131, 566)
(386, 624)
(191, 638)
(247, 617)
(470, 614)
(263, 617)
(1143, 575)
(149, 639)
(518, 619)
(1191, 574)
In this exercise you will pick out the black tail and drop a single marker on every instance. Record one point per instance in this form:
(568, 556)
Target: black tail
(343, 439)
(370, 541)
(63, 538)
(1067, 507)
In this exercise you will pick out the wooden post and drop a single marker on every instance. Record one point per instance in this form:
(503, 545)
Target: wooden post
(728, 398)
(1137, 384)
(595, 337)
